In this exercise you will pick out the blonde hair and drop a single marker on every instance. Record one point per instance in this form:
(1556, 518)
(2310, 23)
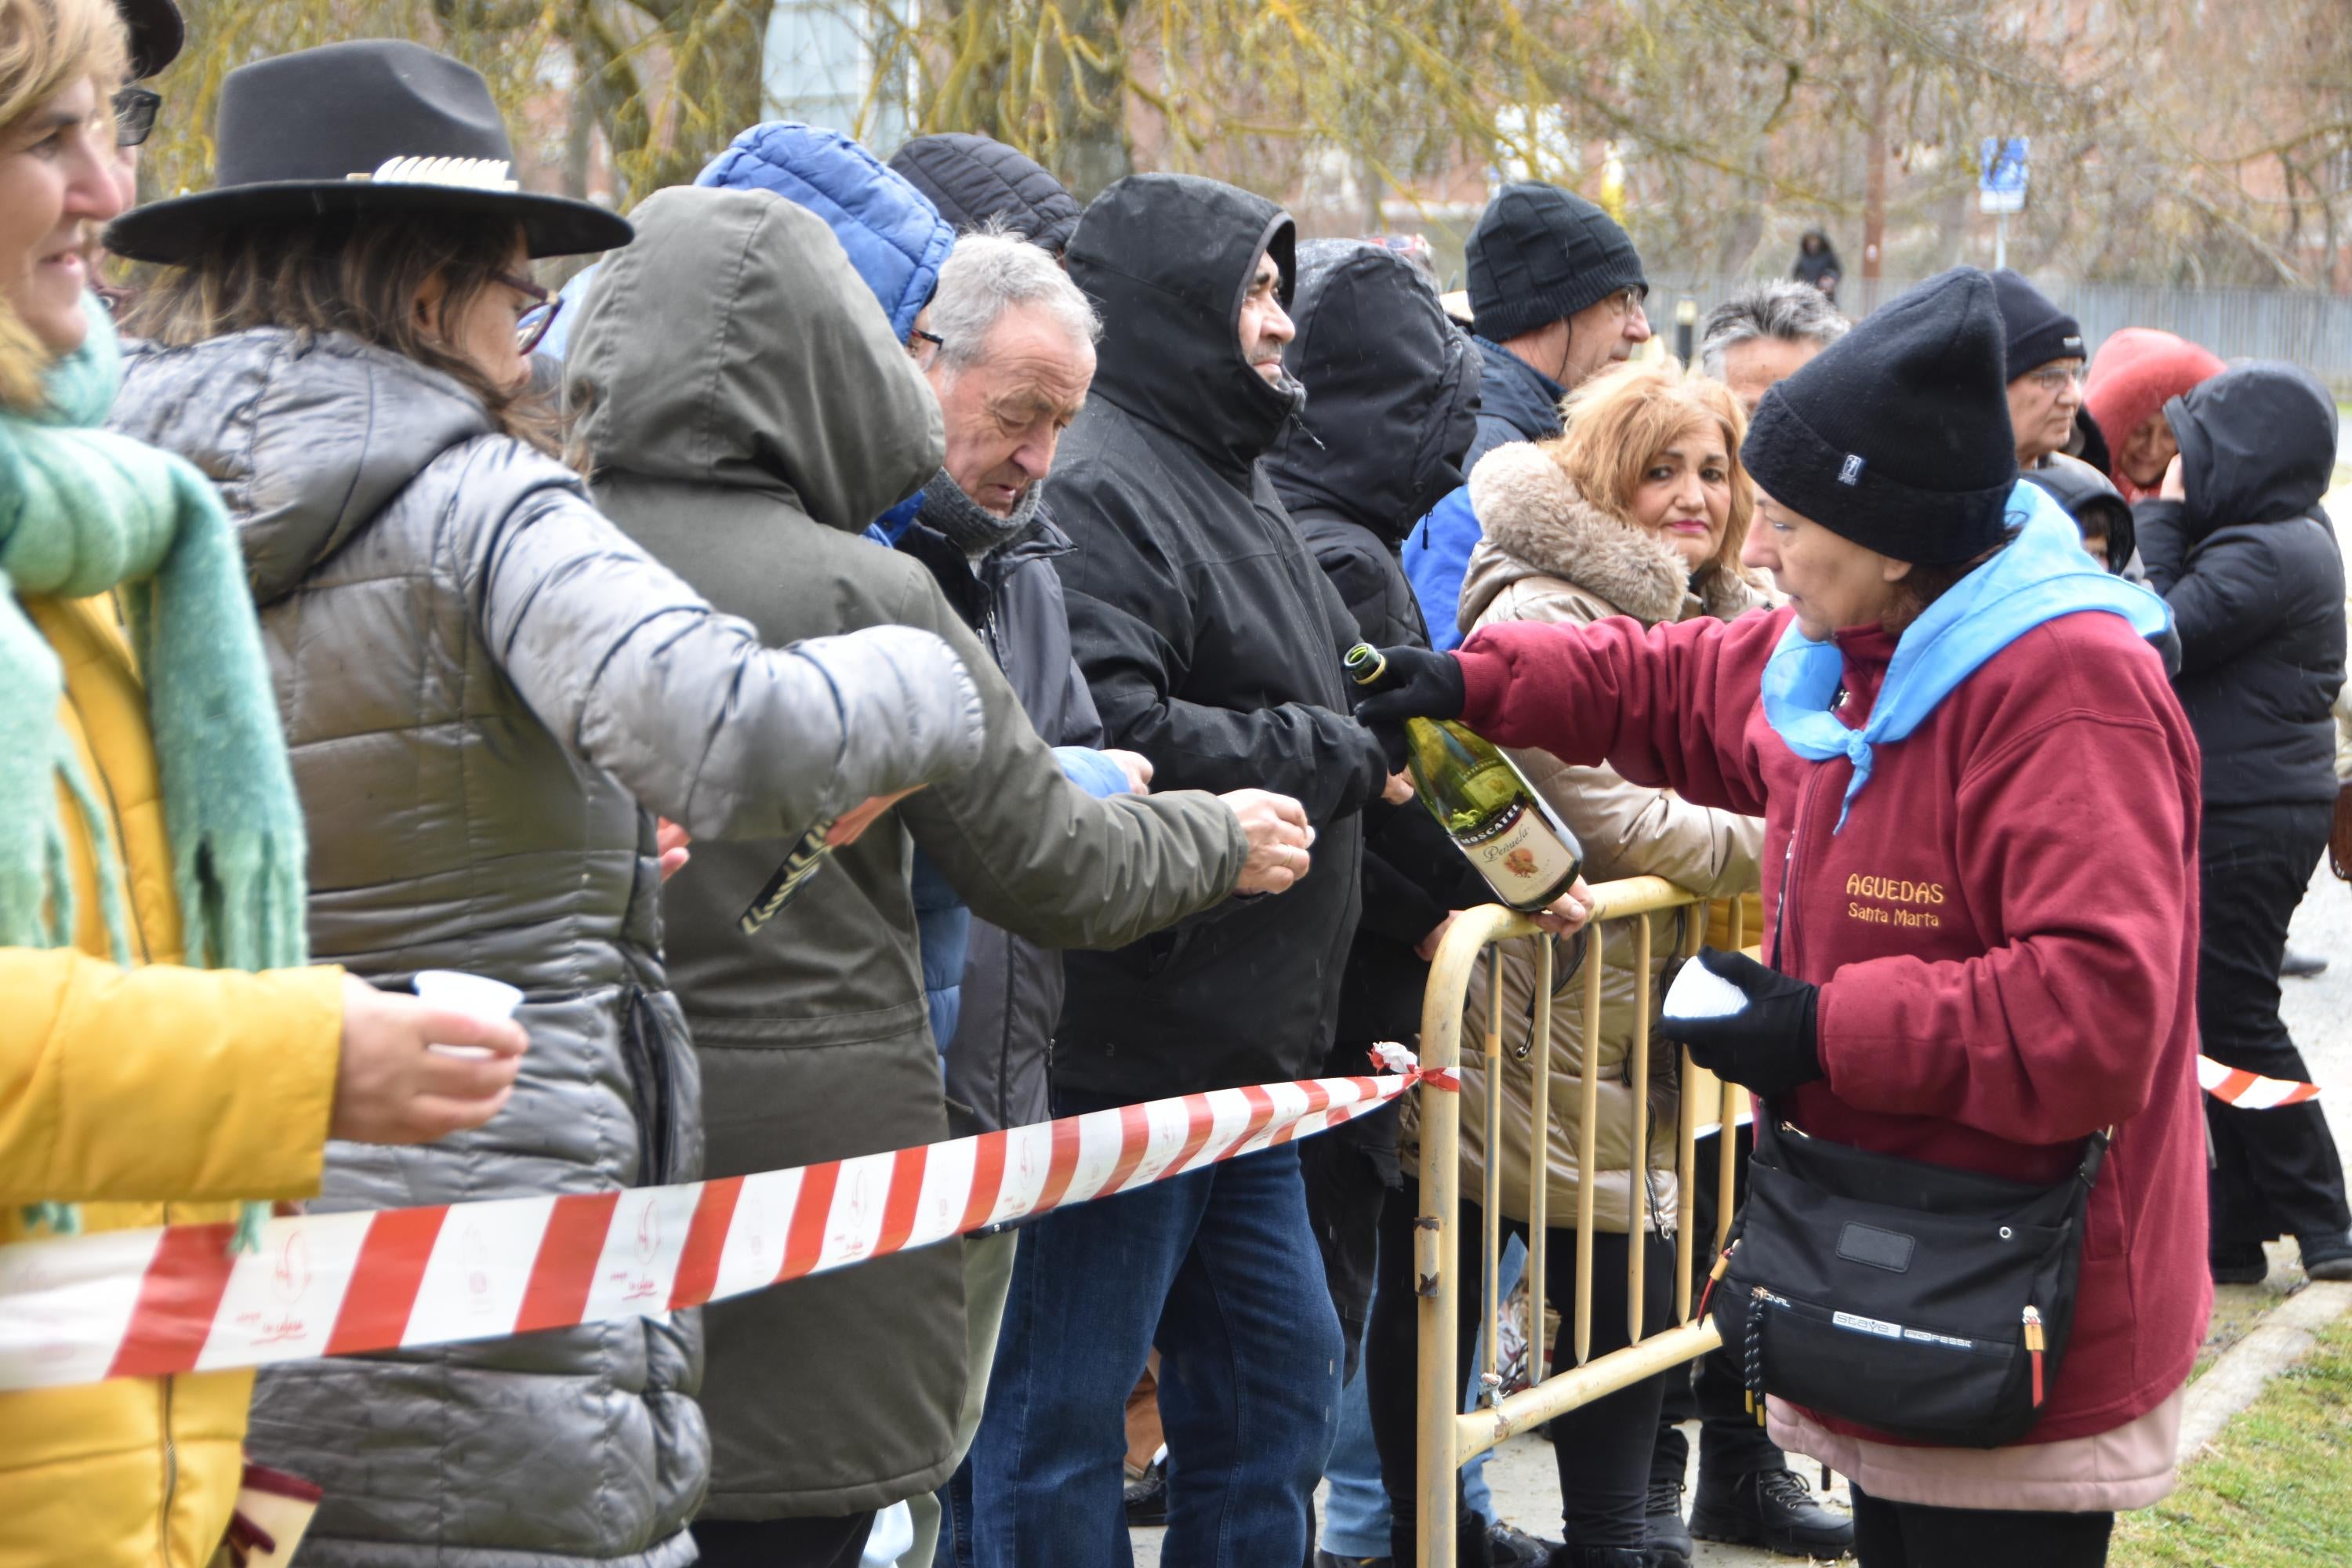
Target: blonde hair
(47, 46)
(1620, 421)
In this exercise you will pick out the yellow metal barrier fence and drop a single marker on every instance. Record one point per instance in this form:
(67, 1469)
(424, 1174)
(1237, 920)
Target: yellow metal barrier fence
(1446, 1438)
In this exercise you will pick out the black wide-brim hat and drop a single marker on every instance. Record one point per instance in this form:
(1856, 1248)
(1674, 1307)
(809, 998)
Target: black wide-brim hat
(158, 32)
(376, 126)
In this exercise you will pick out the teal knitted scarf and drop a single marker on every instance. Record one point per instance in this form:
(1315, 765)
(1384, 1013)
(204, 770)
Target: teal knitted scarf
(84, 512)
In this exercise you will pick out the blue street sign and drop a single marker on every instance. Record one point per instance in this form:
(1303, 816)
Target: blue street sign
(2002, 162)
(2001, 174)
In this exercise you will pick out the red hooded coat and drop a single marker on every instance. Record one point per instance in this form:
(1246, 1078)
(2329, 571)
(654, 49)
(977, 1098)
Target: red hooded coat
(2136, 372)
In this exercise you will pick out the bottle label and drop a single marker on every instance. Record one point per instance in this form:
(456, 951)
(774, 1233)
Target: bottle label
(1518, 854)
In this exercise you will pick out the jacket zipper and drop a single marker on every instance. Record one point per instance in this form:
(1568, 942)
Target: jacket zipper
(1783, 947)
(144, 951)
(171, 1460)
(646, 1051)
(145, 954)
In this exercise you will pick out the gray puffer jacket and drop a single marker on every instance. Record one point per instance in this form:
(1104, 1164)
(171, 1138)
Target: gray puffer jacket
(482, 679)
(751, 468)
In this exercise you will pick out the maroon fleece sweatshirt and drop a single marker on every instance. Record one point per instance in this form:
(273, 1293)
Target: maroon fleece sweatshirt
(2004, 931)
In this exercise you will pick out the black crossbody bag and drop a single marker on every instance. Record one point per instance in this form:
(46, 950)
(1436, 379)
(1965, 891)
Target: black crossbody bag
(1921, 1300)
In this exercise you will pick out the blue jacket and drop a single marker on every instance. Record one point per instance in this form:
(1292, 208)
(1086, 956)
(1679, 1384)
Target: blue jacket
(1516, 402)
(894, 235)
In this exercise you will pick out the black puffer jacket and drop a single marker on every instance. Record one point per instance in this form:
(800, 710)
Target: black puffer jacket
(1210, 639)
(1392, 408)
(2252, 568)
(976, 180)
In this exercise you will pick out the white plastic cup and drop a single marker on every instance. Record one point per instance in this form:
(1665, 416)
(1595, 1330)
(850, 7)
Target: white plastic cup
(478, 995)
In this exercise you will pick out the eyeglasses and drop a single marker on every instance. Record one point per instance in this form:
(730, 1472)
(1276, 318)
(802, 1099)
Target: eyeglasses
(921, 336)
(134, 115)
(531, 331)
(2056, 378)
(1628, 301)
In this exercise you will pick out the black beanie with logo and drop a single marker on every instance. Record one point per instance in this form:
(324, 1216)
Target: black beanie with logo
(1896, 436)
(1539, 254)
(2035, 330)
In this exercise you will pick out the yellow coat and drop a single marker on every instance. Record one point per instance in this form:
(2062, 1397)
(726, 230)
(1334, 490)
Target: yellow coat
(148, 1095)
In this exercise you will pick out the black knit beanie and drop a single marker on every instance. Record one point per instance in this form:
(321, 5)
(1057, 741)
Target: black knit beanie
(1897, 436)
(1540, 254)
(2036, 331)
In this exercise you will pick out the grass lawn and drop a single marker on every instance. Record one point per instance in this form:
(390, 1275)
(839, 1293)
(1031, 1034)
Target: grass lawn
(2271, 1492)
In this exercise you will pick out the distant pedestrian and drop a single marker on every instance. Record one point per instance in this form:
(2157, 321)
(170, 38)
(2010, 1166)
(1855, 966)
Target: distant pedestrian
(1817, 264)
(2238, 544)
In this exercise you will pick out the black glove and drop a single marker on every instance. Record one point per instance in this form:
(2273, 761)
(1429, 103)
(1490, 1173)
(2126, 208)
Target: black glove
(1416, 684)
(1768, 1047)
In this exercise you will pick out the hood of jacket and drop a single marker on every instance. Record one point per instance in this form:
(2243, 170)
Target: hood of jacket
(309, 435)
(1391, 391)
(1168, 259)
(1536, 524)
(975, 181)
(895, 237)
(2257, 445)
(733, 343)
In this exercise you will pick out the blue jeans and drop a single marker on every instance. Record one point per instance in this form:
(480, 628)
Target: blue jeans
(1219, 1269)
(1356, 1509)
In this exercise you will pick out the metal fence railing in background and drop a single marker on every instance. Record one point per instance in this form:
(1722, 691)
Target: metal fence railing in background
(1446, 1438)
(2303, 327)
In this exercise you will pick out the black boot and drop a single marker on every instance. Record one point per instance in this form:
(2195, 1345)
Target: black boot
(2326, 1256)
(1771, 1508)
(2238, 1263)
(1146, 1496)
(1663, 1530)
(1470, 1547)
(1600, 1557)
(1508, 1546)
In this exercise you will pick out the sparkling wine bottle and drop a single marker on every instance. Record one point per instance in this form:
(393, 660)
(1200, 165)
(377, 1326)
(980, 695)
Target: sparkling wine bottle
(1485, 803)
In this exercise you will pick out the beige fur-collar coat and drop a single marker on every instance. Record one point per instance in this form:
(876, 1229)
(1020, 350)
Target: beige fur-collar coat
(1547, 554)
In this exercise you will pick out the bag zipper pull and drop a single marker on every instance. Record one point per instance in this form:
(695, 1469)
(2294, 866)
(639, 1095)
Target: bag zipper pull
(1715, 1276)
(2033, 1347)
(1754, 1369)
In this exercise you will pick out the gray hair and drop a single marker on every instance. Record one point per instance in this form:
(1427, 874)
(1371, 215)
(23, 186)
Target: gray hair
(991, 272)
(1792, 312)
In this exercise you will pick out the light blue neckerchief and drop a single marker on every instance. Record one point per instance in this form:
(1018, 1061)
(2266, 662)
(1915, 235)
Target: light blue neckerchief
(2042, 576)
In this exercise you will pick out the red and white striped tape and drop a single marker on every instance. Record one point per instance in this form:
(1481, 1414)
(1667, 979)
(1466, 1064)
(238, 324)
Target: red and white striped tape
(2250, 1091)
(142, 1303)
